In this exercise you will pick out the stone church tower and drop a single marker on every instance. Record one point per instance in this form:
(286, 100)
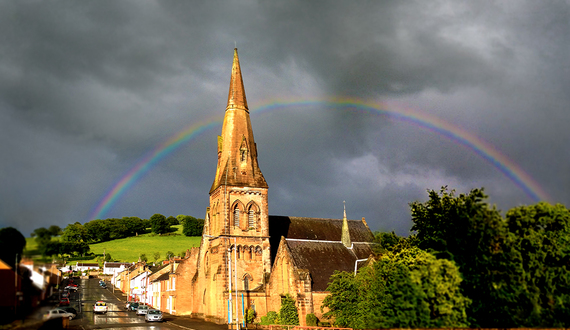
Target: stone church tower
(235, 243)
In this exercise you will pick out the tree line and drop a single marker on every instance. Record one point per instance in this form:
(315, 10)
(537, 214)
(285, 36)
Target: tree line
(463, 265)
(75, 238)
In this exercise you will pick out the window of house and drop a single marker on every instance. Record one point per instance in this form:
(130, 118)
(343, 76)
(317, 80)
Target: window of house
(251, 218)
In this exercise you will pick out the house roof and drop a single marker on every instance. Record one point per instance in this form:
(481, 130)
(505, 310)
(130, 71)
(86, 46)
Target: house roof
(162, 277)
(116, 264)
(85, 264)
(322, 258)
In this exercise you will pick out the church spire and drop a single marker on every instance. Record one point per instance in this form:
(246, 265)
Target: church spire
(345, 233)
(236, 96)
(237, 151)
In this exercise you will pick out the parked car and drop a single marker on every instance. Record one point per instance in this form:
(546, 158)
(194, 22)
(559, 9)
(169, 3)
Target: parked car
(69, 310)
(71, 288)
(65, 294)
(100, 307)
(64, 302)
(56, 313)
(133, 306)
(153, 315)
(142, 310)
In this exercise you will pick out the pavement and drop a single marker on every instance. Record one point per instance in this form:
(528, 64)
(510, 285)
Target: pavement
(183, 322)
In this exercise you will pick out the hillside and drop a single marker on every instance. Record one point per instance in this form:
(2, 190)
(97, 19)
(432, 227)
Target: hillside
(129, 249)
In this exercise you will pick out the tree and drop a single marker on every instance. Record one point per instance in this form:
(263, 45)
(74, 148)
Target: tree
(514, 269)
(108, 257)
(156, 256)
(12, 244)
(406, 289)
(98, 230)
(143, 257)
(159, 224)
(75, 232)
(55, 230)
(172, 221)
(192, 226)
(288, 313)
(169, 255)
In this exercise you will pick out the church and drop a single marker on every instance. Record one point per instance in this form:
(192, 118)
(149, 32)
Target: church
(249, 259)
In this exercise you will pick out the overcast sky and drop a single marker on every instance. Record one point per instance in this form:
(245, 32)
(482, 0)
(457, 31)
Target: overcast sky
(88, 88)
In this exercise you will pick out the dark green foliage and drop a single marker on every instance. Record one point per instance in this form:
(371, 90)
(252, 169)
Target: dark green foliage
(169, 254)
(192, 226)
(172, 221)
(288, 313)
(12, 243)
(158, 224)
(385, 241)
(143, 257)
(515, 270)
(75, 232)
(312, 320)
(108, 257)
(271, 318)
(407, 289)
(156, 256)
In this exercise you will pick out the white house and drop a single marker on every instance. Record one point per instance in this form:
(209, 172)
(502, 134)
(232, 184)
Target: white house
(82, 266)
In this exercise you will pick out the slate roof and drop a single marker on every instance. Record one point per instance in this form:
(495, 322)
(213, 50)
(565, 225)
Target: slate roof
(315, 245)
(314, 229)
(321, 259)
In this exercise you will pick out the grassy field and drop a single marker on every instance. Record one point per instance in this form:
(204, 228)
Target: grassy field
(129, 249)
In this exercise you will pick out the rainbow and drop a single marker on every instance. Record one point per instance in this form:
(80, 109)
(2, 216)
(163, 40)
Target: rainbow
(420, 119)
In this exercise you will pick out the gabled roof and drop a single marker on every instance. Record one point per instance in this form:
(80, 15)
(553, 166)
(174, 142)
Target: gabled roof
(162, 277)
(314, 229)
(322, 258)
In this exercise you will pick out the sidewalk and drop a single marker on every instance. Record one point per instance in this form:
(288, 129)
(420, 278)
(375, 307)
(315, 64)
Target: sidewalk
(183, 322)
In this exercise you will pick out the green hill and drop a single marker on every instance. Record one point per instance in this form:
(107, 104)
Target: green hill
(129, 249)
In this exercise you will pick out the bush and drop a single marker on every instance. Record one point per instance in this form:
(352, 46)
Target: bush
(312, 320)
(249, 316)
(270, 318)
(288, 313)
(192, 226)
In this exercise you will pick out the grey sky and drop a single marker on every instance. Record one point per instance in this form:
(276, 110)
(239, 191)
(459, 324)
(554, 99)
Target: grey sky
(88, 88)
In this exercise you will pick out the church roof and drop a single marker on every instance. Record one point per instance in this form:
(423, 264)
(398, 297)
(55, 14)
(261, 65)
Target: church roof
(322, 258)
(315, 245)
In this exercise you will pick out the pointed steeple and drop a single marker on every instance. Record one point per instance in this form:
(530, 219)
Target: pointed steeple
(345, 233)
(236, 96)
(237, 151)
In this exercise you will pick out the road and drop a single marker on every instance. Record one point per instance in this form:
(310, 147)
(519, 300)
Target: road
(117, 316)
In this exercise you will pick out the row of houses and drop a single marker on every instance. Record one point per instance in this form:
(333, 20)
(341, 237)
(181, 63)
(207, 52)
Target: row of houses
(154, 285)
(27, 286)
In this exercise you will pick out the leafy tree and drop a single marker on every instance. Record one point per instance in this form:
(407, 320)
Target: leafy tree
(75, 232)
(12, 244)
(156, 256)
(172, 221)
(134, 225)
(514, 269)
(169, 255)
(55, 230)
(311, 320)
(143, 257)
(98, 230)
(249, 315)
(385, 241)
(192, 226)
(407, 289)
(108, 257)
(159, 224)
(288, 313)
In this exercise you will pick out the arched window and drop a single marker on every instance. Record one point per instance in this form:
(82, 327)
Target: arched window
(236, 216)
(251, 218)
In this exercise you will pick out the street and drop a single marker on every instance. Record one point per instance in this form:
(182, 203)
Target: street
(117, 317)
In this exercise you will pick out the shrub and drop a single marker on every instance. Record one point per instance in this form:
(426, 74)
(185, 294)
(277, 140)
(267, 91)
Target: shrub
(249, 315)
(288, 313)
(312, 320)
(270, 318)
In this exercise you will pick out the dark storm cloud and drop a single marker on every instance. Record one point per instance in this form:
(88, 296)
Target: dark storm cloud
(87, 88)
